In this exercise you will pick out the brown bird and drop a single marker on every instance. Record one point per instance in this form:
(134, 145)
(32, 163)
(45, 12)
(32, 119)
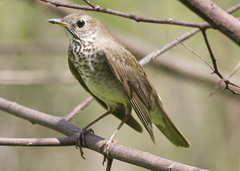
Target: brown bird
(113, 76)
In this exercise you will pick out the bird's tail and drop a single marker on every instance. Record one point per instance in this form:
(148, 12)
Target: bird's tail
(166, 126)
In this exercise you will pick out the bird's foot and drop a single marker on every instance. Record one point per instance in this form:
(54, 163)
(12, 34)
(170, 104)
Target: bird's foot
(80, 139)
(106, 148)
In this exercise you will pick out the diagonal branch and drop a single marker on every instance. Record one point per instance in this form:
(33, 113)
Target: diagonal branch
(196, 54)
(78, 109)
(168, 46)
(214, 60)
(119, 152)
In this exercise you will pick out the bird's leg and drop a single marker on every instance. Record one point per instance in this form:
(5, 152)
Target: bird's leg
(80, 141)
(107, 144)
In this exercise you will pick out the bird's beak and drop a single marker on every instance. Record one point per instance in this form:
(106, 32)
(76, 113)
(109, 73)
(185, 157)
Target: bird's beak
(69, 27)
(59, 22)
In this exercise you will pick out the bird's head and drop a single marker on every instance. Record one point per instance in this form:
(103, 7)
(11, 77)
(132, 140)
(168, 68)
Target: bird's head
(82, 27)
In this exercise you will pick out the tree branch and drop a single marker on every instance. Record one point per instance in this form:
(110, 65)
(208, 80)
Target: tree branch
(217, 17)
(227, 82)
(66, 141)
(119, 152)
(216, 70)
(93, 7)
(56, 123)
(210, 12)
(168, 46)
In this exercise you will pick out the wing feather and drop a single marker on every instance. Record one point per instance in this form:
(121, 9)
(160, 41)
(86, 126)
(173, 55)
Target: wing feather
(142, 95)
(134, 83)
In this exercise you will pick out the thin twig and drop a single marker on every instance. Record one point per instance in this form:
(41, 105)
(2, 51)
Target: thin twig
(215, 69)
(227, 83)
(168, 46)
(196, 54)
(214, 60)
(217, 72)
(77, 109)
(95, 7)
(233, 9)
(233, 72)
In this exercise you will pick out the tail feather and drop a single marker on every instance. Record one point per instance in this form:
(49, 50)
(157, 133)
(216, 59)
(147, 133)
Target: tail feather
(167, 127)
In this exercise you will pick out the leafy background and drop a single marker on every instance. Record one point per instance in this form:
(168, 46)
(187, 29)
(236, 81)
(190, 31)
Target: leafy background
(29, 43)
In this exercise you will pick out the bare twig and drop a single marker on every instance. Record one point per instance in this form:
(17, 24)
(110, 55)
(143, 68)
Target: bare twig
(233, 72)
(233, 9)
(185, 36)
(214, 60)
(195, 54)
(216, 70)
(227, 83)
(168, 46)
(77, 109)
(93, 7)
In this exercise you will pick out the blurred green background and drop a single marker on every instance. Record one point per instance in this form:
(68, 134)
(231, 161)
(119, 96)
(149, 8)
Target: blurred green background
(29, 43)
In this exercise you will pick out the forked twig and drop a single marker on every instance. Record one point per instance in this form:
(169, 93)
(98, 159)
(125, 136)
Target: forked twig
(217, 72)
(227, 82)
(215, 68)
(196, 54)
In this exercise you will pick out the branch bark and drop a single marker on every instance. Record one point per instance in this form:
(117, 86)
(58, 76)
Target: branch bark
(217, 17)
(93, 7)
(119, 152)
(206, 9)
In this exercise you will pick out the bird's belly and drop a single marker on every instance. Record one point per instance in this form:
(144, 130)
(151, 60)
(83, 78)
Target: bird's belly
(106, 87)
(100, 80)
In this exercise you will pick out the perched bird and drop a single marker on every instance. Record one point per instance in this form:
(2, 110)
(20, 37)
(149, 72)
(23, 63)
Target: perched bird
(113, 76)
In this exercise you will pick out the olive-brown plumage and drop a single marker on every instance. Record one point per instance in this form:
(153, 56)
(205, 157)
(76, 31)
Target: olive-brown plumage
(112, 75)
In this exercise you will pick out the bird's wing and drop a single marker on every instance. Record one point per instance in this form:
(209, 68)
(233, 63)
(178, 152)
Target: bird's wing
(134, 81)
(119, 114)
(141, 93)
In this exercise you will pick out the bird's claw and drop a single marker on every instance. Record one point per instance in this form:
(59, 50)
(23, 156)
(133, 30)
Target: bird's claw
(106, 149)
(80, 139)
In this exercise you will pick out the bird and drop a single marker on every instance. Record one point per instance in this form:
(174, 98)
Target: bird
(115, 79)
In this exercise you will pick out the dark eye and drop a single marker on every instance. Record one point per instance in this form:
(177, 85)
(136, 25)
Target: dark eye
(80, 23)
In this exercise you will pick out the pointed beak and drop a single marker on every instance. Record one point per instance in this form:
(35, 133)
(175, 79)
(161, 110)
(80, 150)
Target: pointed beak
(59, 22)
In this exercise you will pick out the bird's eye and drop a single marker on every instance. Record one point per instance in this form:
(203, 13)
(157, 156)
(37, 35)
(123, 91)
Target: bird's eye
(80, 23)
